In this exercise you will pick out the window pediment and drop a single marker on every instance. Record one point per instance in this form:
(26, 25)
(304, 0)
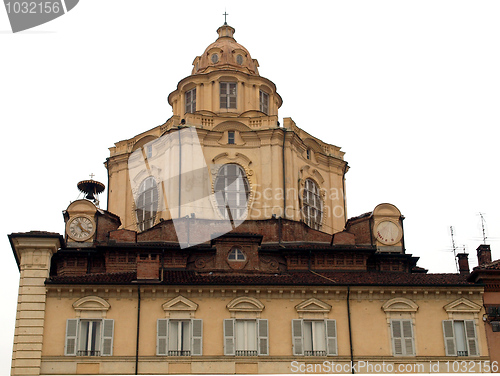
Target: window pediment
(400, 305)
(313, 308)
(400, 308)
(91, 307)
(180, 307)
(462, 308)
(244, 305)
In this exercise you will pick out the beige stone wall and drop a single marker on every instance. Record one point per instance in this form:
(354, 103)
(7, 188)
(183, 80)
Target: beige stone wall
(370, 328)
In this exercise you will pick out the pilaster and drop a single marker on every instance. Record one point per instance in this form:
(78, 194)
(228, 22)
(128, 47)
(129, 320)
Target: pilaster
(33, 252)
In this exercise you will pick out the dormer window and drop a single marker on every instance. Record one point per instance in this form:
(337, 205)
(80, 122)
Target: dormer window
(228, 95)
(308, 153)
(264, 102)
(230, 137)
(239, 59)
(191, 101)
(215, 58)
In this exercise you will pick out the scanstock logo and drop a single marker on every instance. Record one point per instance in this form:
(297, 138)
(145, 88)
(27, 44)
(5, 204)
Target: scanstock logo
(170, 174)
(27, 14)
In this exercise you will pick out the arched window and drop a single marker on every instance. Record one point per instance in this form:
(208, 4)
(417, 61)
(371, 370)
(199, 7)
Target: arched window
(312, 205)
(231, 191)
(147, 204)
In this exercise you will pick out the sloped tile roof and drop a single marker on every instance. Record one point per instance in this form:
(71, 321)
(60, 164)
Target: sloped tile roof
(182, 277)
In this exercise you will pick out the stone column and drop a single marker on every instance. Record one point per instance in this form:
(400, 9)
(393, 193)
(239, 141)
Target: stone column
(34, 252)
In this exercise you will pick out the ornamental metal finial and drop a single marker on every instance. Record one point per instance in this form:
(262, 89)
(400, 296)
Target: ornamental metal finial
(225, 14)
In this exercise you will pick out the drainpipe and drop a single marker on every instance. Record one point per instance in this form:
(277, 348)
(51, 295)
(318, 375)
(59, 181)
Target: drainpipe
(138, 326)
(180, 170)
(343, 194)
(350, 331)
(284, 178)
(107, 196)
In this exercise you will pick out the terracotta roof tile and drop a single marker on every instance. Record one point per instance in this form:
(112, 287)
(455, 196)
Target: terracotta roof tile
(172, 277)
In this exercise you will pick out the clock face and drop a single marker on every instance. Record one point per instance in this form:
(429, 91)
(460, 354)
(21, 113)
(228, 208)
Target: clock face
(388, 233)
(81, 228)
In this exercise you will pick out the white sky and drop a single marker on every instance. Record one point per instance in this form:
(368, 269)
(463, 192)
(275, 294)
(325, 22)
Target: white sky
(409, 89)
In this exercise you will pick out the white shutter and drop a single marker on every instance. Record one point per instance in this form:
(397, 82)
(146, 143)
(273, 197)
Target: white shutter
(331, 337)
(397, 334)
(229, 340)
(71, 335)
(449, 338)
(197, 339)
(263, 337)
(470, 332)
(107, 337)
(297, 339)
(161, 336)
(408, 341)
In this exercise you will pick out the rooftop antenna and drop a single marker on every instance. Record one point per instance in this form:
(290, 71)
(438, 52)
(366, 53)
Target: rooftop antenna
(482, 226)
(454, 248)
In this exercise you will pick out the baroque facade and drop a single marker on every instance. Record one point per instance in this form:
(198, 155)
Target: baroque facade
(225, 249)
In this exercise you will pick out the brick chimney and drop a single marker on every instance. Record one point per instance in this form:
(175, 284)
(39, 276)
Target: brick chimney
(463, 263)
(483, 254)
(148, 267)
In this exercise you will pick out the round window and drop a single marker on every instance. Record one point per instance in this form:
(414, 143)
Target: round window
(215, 58)
(239, 59)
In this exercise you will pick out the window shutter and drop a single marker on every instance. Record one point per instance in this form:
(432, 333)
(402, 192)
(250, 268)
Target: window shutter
(229, 337)
(71, 334)
(470, 333)
(409, 348)
(449, 338)
(263, 340)
(197, 344)
(161, 336)
(298, 341)
(397, 334)
(107, 337)
(331, 337)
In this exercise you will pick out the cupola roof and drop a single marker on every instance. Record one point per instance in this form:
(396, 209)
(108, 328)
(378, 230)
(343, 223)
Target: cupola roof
(225, 53)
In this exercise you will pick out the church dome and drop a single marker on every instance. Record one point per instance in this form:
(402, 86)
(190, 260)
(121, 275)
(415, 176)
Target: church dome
(225, 53)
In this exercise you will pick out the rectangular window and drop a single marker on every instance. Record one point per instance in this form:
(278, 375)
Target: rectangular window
(179, 337)
(460, 337)
(228, 95)
(89, 337)
(263, 102)
(230, 137)
(314, 337)
(246, 337)
(402, 337)
(191, 101)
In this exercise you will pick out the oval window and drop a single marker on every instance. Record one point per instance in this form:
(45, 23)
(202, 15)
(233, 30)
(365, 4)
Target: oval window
(239, 59)
(215, 58)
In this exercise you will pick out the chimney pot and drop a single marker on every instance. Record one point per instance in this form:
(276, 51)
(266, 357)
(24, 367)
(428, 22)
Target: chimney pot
(463, 263)
(484, 254)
